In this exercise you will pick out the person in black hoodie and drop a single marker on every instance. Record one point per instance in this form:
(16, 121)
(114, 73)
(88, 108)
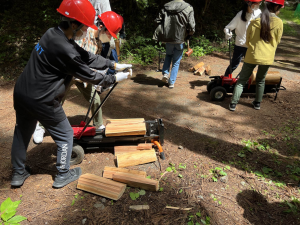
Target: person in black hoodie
(40, 88)
(176, 24)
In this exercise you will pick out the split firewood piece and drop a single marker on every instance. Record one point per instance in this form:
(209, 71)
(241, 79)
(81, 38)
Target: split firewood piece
(125, 127)
(139, 207)
(136, 181)
(109, 171)
(171, 207)
(136, 158)
(208, 70)
(101, 186)
(144, 146)
(119, 150)
(191, 69)
(198, 66)
(200, 71)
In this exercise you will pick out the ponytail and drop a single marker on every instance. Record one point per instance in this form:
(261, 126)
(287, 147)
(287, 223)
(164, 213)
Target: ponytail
(244, 11)
(265, 32)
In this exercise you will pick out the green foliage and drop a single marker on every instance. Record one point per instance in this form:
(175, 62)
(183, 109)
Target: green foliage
(8, 211)
(140, 50)
(217, 172)
(135, 196)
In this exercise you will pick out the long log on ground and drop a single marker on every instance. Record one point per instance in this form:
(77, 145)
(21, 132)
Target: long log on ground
(101, 186)
(136, 158)
(136, 181)
(109, 171)
(125, 127)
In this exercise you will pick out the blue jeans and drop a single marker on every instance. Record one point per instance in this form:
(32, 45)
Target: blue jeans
(238, 53)
(174, 54)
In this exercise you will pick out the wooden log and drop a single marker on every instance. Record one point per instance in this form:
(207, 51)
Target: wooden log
(119, 150)
(208, 70)
(125, 127)
(271, 78)
(191, 69)
(139, 207)
(136, 181)
(109, 171)
(101, 186)
(200, 71)
(199, 65)
(136, 158)
(144, 146)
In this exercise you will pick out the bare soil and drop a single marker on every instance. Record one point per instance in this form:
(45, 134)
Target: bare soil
(200, 134)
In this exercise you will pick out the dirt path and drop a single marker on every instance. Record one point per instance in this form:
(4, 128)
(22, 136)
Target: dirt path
(262, 173)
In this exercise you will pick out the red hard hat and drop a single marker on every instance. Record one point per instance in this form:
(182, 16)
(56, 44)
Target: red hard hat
(112, 21)
(80, 10)
(253, 0)
(279, 2)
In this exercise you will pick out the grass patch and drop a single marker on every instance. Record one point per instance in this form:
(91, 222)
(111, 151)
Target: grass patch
(287, 13)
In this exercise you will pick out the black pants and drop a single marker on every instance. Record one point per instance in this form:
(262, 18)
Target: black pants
(61, 132)
(238, 53)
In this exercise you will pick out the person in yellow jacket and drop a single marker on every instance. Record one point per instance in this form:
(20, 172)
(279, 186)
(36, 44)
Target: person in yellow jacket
(263, 36)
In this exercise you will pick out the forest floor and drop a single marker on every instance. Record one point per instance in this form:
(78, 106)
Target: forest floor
(257, 149)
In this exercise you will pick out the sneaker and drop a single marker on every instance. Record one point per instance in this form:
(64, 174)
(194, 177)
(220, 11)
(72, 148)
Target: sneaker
(256, 105)
(38, 134)
(232, 106)
(62, 180)
(165, 78)
(101, 128)
(18, 179)
(171, 86)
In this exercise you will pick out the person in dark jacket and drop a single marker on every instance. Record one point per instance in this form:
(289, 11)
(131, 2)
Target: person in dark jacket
(176, 23)
(40, 88)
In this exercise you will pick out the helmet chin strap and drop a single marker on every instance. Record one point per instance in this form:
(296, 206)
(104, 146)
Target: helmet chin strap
(69, 22)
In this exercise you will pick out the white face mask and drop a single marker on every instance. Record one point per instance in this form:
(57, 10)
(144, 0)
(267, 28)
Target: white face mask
(78, 38)
(256, 7)
(103, 37)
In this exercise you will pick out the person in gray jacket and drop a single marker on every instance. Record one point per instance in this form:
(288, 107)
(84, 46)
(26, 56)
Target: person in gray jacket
(176, 24)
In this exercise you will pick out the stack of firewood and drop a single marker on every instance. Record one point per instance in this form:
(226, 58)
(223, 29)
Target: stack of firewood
(200, 69)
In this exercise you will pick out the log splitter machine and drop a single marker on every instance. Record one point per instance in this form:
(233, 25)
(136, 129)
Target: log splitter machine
(219, 86)
(86, 136)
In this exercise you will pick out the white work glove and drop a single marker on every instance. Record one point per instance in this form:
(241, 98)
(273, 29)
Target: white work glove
(98, 88)
(228, 34)
(121, 67)
(123, 76)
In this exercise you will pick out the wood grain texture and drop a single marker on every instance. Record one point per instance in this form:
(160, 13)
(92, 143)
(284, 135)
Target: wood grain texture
(199, 65)
(125, 127)
(101, 186)
(109, 171)
(136, 158)
(147, 146)
(136, 181)
(119, 150)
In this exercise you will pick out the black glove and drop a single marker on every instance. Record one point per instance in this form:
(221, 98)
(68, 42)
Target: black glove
(188, 37)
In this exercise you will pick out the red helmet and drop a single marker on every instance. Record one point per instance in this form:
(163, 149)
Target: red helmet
(80, 10)
(279, 2)
(112, 21)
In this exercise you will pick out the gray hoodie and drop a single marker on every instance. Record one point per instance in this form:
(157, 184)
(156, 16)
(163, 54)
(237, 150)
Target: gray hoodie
(175, 21)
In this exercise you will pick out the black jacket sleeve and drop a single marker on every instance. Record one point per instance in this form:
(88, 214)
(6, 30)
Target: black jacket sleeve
(79, 69)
